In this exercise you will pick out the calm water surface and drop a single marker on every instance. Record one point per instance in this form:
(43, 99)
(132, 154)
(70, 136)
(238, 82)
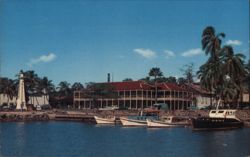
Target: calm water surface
(70, 139)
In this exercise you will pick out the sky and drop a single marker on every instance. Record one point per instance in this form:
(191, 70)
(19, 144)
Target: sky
(82, 41)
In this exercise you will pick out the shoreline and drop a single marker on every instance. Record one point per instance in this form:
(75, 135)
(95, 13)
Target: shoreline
(88, 115)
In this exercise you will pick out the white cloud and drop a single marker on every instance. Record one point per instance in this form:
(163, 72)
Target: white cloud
(192, 52)
(169, 53)
(233, 42)
(147, 53)
(44, 58)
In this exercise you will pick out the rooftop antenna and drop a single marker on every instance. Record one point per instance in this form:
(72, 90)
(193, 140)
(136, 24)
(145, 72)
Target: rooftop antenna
(112, 77)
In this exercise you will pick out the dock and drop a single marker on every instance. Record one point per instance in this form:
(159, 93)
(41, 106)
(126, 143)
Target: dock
(75, 117)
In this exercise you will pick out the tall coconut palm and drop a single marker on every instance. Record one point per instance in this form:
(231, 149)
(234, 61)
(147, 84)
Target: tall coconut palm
(156, 73)
(211, 42)
(210, 72)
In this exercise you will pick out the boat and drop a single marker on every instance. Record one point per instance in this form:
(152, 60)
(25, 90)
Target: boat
(169, 121)
(218, 119)
(100, 120)
(135, 121)
(139, 120)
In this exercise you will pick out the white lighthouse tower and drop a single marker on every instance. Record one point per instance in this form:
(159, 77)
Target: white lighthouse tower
(21, 103)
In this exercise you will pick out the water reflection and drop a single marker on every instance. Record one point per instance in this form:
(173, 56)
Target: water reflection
(78, 139)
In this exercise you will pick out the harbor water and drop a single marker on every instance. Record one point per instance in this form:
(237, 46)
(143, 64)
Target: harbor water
(72, 139)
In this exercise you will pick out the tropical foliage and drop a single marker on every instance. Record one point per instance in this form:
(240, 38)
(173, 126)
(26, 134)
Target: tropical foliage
(224, 70)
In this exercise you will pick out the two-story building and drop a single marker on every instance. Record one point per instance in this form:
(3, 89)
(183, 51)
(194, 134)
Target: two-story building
(136, 95)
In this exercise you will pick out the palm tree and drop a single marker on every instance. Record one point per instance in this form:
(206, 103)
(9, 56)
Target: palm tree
(210, 76)
(64, 88)
(64, 93)
(46, 86)
(247, 79)
(77, 86)
(7, 87)
(211, 42)
(221, 63)
(210, 72)
(233, 66)
(31, 81)
(156, 73)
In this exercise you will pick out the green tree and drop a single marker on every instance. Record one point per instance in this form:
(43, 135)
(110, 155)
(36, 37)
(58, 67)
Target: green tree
(211, 42)
(8, 88)
(188, 72)
(46, 86)
(247, 79)
(156, 73)
(127, 80)
(233, 66)
(77, 86)
(31, 81)
(222, 63)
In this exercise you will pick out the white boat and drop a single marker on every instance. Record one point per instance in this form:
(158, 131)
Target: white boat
(100, 120)
(169, 121)
(133, 122)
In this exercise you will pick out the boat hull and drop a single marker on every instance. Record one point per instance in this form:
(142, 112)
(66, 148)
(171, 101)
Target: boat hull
(162, 124)
(132, 122)
(104, 120)
(206, 123)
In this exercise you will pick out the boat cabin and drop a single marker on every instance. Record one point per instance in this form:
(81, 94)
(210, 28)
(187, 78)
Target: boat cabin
(222, 114)
(173, 119)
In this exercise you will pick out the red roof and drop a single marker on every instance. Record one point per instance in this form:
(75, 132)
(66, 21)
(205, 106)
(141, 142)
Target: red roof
(141, 85)
(197, 88)
(131, 85)
(170, 86)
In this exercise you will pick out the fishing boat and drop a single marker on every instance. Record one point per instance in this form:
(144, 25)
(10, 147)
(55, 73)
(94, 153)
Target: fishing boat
(139, 120)
(133, 121)
(100, 120)
(169, 121)
(217, 120)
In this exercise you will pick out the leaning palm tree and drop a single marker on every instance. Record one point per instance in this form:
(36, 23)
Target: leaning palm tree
(210, 72)
(156, 73)
(211, 42)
